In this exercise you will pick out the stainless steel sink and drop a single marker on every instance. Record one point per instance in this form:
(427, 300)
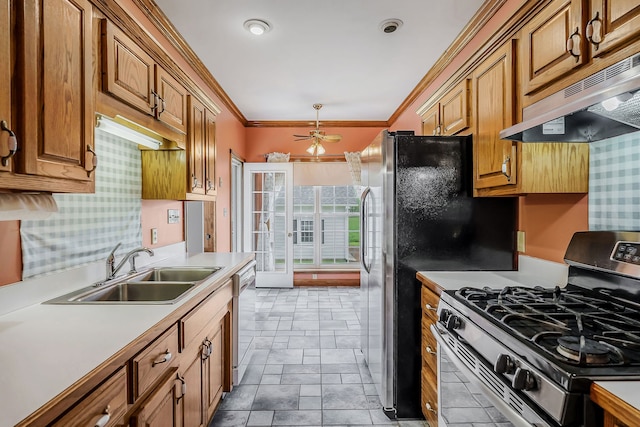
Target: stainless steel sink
(165, 292)
(160, 285)
(177, 274)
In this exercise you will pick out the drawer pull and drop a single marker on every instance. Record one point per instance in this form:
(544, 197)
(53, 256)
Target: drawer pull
(183, 387)
(12, 143)
(430, 350)
(162, 359)
(430, 307)
(430, 409)
(104, 419)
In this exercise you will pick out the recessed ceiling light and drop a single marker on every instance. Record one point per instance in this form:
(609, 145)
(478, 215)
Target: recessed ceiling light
(390, 25)
(257, 26)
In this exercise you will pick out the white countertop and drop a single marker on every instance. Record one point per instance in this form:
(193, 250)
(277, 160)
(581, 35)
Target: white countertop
(46, 348)
(624, 390)
(531, 272)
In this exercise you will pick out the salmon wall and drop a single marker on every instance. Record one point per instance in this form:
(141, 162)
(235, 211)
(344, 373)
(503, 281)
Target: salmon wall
(261, 141)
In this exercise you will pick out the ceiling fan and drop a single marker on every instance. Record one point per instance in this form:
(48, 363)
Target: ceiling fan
(317, 136)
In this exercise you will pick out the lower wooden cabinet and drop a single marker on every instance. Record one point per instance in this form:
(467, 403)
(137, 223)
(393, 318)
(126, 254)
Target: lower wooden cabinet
(161, 408)
(429, 376)
(105, 406)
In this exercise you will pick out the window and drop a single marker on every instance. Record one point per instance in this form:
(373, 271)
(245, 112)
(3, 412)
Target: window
(326, 226)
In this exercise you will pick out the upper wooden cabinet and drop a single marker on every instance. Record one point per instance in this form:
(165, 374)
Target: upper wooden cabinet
(52, 97)
(450, 115)
(131, 75)
(184, 174)
(494, 159)
(5, 82)
(553, 44)
(612, 24)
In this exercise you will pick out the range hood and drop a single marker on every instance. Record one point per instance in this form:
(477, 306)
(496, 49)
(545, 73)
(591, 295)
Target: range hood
(603, 105)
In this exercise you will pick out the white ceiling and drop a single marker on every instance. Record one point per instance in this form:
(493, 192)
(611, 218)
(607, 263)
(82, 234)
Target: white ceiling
(319, 51)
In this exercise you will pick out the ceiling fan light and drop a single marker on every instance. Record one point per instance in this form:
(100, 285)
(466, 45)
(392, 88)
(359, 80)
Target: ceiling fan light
(320, 149)
(257, 26)
(312, 149)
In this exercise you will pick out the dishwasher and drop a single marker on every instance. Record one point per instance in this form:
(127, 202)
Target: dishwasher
(244, 319)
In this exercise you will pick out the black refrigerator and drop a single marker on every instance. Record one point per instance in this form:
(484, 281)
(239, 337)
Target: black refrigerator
(418, 213)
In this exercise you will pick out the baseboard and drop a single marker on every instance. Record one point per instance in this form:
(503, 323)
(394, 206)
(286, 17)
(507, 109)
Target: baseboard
(326, 282)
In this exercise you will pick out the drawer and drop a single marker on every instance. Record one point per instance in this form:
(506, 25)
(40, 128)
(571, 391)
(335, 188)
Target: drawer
(152, 362)
(428, 340)
(195, 321)
(429, 303)
(429, 397)
(111, 394)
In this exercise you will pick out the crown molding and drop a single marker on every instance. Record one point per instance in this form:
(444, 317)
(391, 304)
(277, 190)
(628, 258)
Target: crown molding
(324, 123)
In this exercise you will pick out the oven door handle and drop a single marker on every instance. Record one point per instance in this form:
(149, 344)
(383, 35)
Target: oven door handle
(440, 334)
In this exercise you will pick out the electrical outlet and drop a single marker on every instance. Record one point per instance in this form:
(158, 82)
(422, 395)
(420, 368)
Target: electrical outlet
(154, 236)
(520, 241)
(314, 276)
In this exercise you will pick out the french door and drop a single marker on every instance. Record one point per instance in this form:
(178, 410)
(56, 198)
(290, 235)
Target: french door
(268, 204)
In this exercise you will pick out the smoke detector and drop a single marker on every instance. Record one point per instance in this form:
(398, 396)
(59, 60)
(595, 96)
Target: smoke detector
(390, 25)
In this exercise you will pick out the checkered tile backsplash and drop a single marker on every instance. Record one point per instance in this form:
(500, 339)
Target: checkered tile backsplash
(614, 183)
(88, 226)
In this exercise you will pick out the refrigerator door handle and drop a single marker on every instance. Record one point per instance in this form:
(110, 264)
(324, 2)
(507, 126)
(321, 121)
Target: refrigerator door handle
(363, 229)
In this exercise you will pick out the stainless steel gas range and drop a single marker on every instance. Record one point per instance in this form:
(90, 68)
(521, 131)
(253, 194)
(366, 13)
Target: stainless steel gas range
(535, 351)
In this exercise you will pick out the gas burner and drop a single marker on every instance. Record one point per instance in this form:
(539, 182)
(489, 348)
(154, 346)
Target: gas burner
(575, 348)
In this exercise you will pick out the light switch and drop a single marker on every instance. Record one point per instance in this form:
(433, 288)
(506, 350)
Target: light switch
(173, 216)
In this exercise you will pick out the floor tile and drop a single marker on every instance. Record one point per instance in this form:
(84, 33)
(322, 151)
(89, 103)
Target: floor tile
(276, 397)
(260, 418)
(345, 417)
(285, 356)
(343, 396)
(297, 418)
(230, 418)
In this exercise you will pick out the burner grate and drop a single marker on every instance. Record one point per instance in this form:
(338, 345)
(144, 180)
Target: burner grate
(602, 331)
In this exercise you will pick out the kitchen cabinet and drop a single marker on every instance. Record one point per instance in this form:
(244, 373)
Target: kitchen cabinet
(131, 75)
(450, 115)
(105, 406)
(613, 23)
(5, 82)
(52, 97)
(617, 411)
(553, 44)
(180, 175)
(494, 159)
(429, 377)
(162, 407)
(151, 363)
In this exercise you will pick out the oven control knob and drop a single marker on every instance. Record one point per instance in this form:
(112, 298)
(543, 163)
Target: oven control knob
(453, 322)
(504, 365)
(444, 315)
(523, 380)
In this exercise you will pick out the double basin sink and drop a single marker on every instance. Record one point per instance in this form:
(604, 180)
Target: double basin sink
(160, 285)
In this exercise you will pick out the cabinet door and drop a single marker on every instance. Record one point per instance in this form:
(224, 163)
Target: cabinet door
(553, 44)
(5, 81)
(454, 109)
(214, 369)
(494, 160)
(172, 107)
(431, 121)
(57, 102)
(192, 375)
(210, 153)
(613, 23)
(127, 70)
(162, 408)
(196, 146)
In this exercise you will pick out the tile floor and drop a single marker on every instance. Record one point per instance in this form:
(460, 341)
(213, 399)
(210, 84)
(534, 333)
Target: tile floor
(307, 368)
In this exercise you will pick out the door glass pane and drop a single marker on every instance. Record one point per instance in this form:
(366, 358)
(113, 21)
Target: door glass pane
(340, 225)
(268, 220)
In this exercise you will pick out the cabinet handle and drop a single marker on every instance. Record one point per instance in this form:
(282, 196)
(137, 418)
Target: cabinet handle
(437, 131)
(206, 349)
(183, 387)
(155, 101)
(430, 350)
(12, 143)
(104, 419)
(430, 307)
(209, 184)
(593, 31)
(571, 45)
(506, 168)
(430, 408)
(162, 359)
(94, 160)
(164, 106)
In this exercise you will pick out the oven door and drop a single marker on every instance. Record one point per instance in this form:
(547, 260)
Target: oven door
(461, 359)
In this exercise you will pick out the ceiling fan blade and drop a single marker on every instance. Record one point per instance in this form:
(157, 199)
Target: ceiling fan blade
(306, 138)
(330, 138)
(302, 136)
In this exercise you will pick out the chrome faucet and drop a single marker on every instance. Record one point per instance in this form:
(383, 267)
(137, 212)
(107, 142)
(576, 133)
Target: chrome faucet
(130, 256)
